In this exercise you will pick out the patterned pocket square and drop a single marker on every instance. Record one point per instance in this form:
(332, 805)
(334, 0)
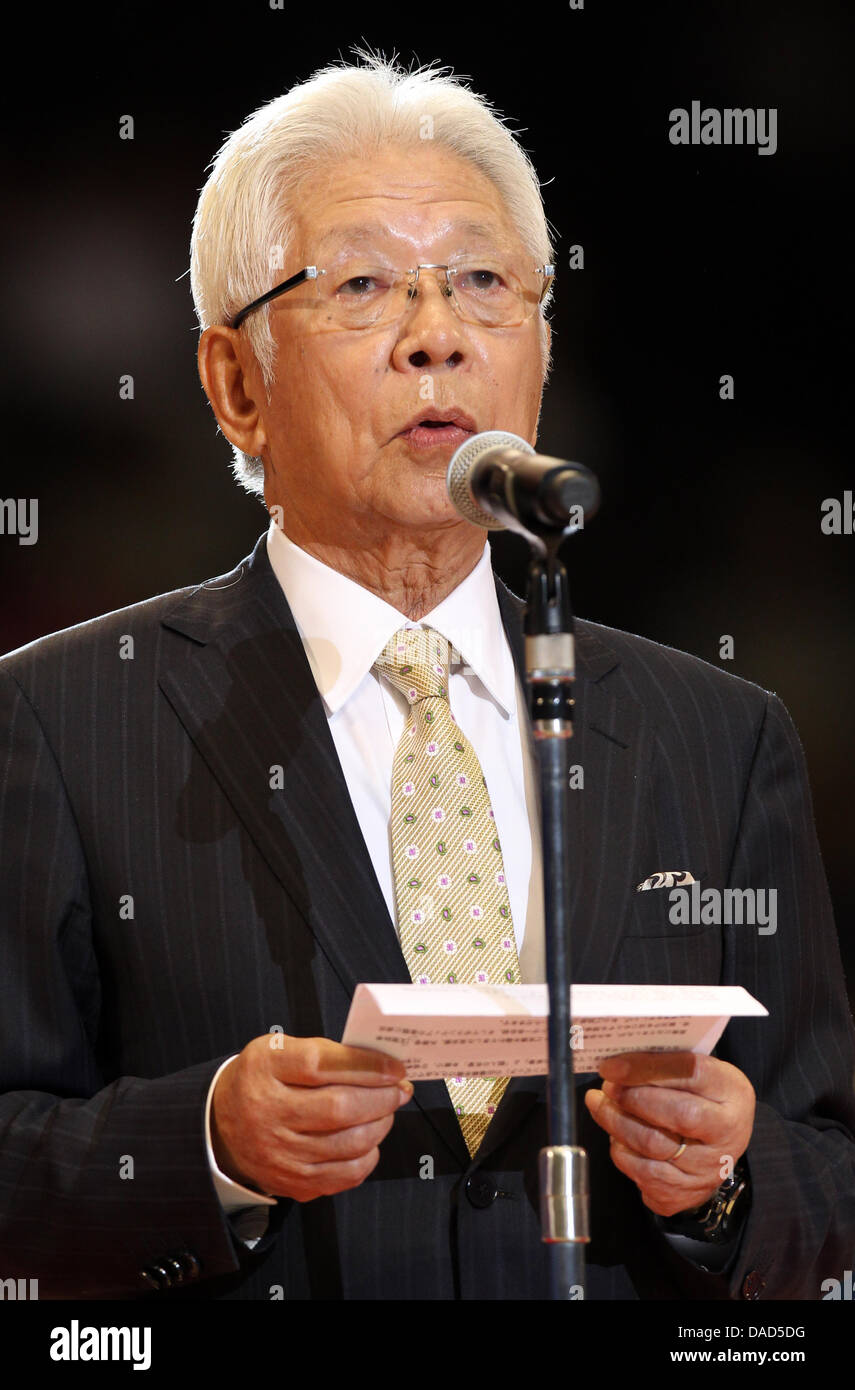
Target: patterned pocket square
(668, 878)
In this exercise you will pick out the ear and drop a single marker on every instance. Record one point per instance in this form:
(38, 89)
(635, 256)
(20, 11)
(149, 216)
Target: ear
(231, 381)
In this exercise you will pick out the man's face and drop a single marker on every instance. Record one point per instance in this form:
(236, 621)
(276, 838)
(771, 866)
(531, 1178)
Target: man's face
(337, 457)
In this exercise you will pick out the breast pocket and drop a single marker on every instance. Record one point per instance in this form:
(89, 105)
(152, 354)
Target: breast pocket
(661, 947)
(665, 912)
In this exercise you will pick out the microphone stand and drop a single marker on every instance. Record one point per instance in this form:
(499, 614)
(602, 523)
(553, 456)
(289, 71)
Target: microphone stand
(550, 673)
(496, 477)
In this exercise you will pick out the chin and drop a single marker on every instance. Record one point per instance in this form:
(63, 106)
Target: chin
(429, 498)
(420, 512)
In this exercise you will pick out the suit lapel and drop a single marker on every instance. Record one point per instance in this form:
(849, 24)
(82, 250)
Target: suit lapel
(243, 689)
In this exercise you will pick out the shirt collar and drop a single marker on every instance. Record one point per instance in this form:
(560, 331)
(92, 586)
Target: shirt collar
(344, 627)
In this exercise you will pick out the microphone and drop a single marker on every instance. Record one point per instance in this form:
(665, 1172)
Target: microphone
(496, 480)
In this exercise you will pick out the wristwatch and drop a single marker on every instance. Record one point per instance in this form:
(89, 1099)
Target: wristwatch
(718, 1219)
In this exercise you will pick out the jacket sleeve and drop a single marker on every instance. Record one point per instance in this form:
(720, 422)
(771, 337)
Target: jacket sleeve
(98, 1182)
(800, 1228)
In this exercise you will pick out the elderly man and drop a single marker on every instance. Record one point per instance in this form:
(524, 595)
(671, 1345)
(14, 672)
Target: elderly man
(216, 811)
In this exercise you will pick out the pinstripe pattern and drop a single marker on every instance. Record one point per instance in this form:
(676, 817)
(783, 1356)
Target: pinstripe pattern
(200, 780)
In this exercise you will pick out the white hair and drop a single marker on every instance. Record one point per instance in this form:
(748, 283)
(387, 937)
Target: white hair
(243, 224)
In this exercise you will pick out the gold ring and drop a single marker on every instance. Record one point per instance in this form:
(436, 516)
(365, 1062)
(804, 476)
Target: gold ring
(677, 1153)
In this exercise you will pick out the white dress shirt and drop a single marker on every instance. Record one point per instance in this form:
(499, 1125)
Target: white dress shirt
(344, 628)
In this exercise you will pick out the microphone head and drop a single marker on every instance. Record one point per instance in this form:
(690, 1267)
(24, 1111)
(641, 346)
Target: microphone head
(460, 468)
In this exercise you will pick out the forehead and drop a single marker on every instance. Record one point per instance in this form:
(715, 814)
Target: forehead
(414, 197)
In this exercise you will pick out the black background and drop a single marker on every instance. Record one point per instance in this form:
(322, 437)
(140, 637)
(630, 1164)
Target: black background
(699, 261)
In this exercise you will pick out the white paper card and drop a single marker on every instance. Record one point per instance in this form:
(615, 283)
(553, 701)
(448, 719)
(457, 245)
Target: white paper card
(500, 1030)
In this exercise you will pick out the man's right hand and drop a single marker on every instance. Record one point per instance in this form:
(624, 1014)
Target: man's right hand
(304, 1117)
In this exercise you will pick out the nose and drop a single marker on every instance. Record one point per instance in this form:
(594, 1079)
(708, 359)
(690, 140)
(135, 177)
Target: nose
(431, 331)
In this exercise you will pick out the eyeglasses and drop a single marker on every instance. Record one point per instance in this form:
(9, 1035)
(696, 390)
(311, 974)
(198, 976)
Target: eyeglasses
(488, 291)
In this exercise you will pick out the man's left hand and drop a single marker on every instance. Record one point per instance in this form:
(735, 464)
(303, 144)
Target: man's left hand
(651, 1102)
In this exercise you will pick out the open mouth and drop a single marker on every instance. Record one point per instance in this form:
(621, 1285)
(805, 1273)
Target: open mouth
(431, 433)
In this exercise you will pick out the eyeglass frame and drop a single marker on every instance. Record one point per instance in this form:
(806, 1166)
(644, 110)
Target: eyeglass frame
(311, 272)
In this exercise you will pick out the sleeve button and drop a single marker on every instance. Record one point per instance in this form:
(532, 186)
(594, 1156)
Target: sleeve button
(189, 1264)
(176, 1270)
(155, 1277)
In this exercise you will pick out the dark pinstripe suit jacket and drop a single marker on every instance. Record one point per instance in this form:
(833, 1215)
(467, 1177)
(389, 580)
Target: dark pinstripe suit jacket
(149, 779)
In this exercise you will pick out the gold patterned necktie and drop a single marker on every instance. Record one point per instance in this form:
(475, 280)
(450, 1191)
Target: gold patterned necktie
(454, 914)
